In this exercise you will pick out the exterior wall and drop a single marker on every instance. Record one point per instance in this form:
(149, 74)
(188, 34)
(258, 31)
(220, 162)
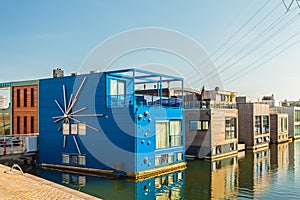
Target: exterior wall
(247, 135)
(24, 109)
(198, 142)
(246, 124)
(277, 134)
(102, 151)
(125, 141)
(292, 122)
(203, 143)
(218, 132)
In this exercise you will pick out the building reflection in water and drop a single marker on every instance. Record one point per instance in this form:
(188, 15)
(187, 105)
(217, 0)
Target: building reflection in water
(254, 176)
(212, 179)
(270, 173)
(170, 186)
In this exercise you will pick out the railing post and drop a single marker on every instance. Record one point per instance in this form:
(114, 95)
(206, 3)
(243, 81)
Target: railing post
(4, 148)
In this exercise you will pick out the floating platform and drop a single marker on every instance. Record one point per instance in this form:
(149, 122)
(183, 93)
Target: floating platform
(157, 171)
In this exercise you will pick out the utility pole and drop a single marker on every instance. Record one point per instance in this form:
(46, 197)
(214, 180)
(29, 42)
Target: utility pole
(289, 5)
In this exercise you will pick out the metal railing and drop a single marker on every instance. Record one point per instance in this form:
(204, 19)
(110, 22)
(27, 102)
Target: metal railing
(209, 105)
(13, 144)
(142, 100)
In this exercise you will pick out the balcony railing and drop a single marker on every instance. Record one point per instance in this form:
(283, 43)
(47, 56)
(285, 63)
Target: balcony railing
(143, 100)
(278, 110)
(208, 105)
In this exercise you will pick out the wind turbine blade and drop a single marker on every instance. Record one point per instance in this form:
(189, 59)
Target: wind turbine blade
(57, 103)
(76, 95)
(77, 111)
(80, 87)
(65, 98)
(58, 120)
(75, 141)
(89, 115)
(71, 106)
(70, 101)
(85, 124)
(56, 117)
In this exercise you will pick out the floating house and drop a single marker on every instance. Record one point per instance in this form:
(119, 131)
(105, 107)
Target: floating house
(105, 123)
(294, 121)
(211, 126)
(253, 123)
(278, 125)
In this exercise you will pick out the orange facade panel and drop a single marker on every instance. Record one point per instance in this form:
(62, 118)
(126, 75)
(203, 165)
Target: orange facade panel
(25, 109)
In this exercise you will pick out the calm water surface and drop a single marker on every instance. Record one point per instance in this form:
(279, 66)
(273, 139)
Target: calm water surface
(267, 174)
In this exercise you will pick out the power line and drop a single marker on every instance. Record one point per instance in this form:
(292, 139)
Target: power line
(244, 25)
(236, 32)
(280, 52)
(246, 34)
(283, 27)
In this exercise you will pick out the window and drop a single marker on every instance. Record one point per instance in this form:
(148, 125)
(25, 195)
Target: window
(218, 149)
(73, 128)
(81, 160)
(199, 125)
(25, 97)
(65, 158)
(32, 124)
(283, 124)
(117, 92)
(297, 115)
(157, 160)
(179, 156)
(162, 134)
(233, 146)
(32, 97)
(168, 134)
(266, 124)
(66, 128)
(230, 128)
(18, 125)
(164, 158)
(25, 125)
(18, 98)
(175, 133)
(297, 130)
(74, 159)
(170, 158)
(257, 125)
(81, 129)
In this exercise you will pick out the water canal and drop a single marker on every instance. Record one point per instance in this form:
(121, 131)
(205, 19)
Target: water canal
(269, 174)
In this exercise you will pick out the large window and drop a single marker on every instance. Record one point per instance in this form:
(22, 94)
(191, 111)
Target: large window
(297, 115)
(283, 123)
(117, 92)
(297, 130)
(230, 128)
(201, 125)
(257, 125)
(162, 134)
(175, 133)
(168, 134)
(266, 124)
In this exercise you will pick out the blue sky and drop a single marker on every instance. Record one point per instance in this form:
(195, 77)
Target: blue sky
(37, 36)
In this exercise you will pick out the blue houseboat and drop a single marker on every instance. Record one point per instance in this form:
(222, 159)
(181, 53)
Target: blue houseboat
(107, 122)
